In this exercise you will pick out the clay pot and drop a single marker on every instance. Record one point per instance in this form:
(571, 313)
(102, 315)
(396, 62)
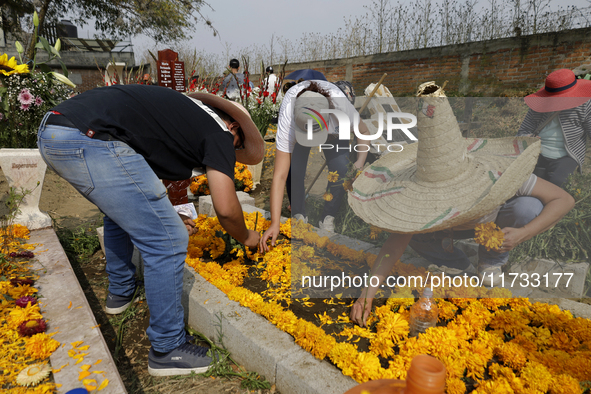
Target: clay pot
(426, 375)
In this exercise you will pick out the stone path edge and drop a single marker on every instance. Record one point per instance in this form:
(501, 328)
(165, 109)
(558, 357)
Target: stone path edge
(256, 344)
(58, 286)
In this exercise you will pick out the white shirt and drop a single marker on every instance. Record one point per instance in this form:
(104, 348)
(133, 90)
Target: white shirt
(286, 138)
(271, 80)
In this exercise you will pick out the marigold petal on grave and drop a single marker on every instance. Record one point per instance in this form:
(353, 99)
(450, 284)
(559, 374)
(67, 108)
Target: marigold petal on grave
(104, 384)
(83, 374)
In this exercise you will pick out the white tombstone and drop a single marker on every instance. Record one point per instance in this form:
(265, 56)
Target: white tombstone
(24, 170)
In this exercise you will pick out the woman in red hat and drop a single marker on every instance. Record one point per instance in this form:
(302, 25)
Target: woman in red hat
(560, 114)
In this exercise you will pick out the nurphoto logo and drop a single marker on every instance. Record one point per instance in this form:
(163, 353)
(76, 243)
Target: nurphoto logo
(317, 122)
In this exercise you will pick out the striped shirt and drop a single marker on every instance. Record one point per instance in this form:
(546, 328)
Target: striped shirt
(575, 124)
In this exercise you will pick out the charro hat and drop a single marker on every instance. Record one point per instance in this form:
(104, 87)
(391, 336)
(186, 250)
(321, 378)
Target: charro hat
(561, 91)
(443, 180)
(307, 115)
(254, 146)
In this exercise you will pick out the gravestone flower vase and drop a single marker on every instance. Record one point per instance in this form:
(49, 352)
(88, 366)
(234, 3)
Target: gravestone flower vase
(24, 170)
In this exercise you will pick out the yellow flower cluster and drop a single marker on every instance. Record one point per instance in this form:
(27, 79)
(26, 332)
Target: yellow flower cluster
(501, 344)
(18, 352)
(489, 235)
(242, 181)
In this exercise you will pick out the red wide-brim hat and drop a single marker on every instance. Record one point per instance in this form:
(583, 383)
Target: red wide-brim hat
(561, 91)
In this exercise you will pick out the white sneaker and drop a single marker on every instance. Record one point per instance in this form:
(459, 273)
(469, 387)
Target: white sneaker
(327, 224)
(491, 276)
(299, 217)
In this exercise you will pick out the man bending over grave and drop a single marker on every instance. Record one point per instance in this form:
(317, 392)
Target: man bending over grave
(439, 189)
(114, 144)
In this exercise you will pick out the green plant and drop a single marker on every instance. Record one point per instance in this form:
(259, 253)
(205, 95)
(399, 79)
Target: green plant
(80, 243)
(27, 93)
(223, 365)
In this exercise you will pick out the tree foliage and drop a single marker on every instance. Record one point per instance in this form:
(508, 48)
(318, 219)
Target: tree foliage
(162, 20)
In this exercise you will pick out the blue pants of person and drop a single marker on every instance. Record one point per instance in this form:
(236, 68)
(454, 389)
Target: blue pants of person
(138, 212)
(336, 160)
(437, 248)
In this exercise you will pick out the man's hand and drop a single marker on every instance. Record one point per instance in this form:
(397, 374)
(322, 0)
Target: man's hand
(361, 310)
(253, 239)
(189, 223)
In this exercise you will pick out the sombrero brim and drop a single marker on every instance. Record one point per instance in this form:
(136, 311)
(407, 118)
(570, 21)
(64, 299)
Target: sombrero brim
(254, 146)
(398, 202)
(544, 101)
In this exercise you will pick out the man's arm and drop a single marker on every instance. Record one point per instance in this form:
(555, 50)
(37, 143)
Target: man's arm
(228, 209)
(557, 203)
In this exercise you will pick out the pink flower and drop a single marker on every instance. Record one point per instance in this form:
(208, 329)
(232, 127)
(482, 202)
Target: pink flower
(38, 101)
(25, 107)
(25, 97)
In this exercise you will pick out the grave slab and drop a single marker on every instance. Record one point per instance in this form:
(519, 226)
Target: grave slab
(69, 316)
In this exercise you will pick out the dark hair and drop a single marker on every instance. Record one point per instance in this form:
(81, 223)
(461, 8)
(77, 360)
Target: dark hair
(287, 86)
(269, 70)
(314, 87)
(234, 63)
(227, 118)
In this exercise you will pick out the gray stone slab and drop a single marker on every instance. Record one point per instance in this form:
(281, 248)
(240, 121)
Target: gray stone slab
(206, 206)
(351, 243)
(554, 278)
(301, 373)
(58, 286)
(256, 343)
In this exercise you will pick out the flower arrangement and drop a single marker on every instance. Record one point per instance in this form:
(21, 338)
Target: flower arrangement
(242, 181)
(28, 90)
(261, 102)
(488, 345)
(25, 351)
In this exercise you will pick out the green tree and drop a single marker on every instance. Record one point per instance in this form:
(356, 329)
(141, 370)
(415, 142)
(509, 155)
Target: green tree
(162, 20)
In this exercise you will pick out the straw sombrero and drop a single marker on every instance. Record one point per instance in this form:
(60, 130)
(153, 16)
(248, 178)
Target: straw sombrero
(254, 146)
(443, 180)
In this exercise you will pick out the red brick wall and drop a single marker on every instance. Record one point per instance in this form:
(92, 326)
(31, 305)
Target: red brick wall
(484, 68)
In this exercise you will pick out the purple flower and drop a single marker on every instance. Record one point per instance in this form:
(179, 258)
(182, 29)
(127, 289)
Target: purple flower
(25, 107)
(38, 101)
(25, 97)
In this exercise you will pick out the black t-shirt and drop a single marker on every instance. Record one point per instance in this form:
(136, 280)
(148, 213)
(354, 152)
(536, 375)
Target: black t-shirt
(166, 127)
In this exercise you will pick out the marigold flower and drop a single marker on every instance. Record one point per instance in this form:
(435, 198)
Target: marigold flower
(489, 235)
(327, 196)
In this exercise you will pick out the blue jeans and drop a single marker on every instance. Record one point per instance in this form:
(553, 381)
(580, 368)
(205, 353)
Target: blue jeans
(336, 160)
(137, 212)
(516, 212)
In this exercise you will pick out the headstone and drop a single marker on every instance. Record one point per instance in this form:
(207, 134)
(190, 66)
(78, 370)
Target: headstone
(24, 170)
(171, 71)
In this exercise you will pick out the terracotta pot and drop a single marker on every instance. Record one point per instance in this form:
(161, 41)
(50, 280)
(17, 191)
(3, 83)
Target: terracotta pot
(426, 375)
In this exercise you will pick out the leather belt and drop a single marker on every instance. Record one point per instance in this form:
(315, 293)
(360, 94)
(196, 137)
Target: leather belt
(61, 120)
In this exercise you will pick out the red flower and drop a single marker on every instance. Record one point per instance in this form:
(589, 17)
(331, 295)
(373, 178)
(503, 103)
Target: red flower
(32, 327)
(21, 281)
(24, 301)
(266, 94)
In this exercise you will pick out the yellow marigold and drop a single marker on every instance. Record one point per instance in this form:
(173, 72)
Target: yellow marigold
(511, 354)
(17, 292)
(333, 176)
(565, 384)
(455, 386)
(40, 346)
(489, 235)
(536, 376)
(19, 315)
(327, 196)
